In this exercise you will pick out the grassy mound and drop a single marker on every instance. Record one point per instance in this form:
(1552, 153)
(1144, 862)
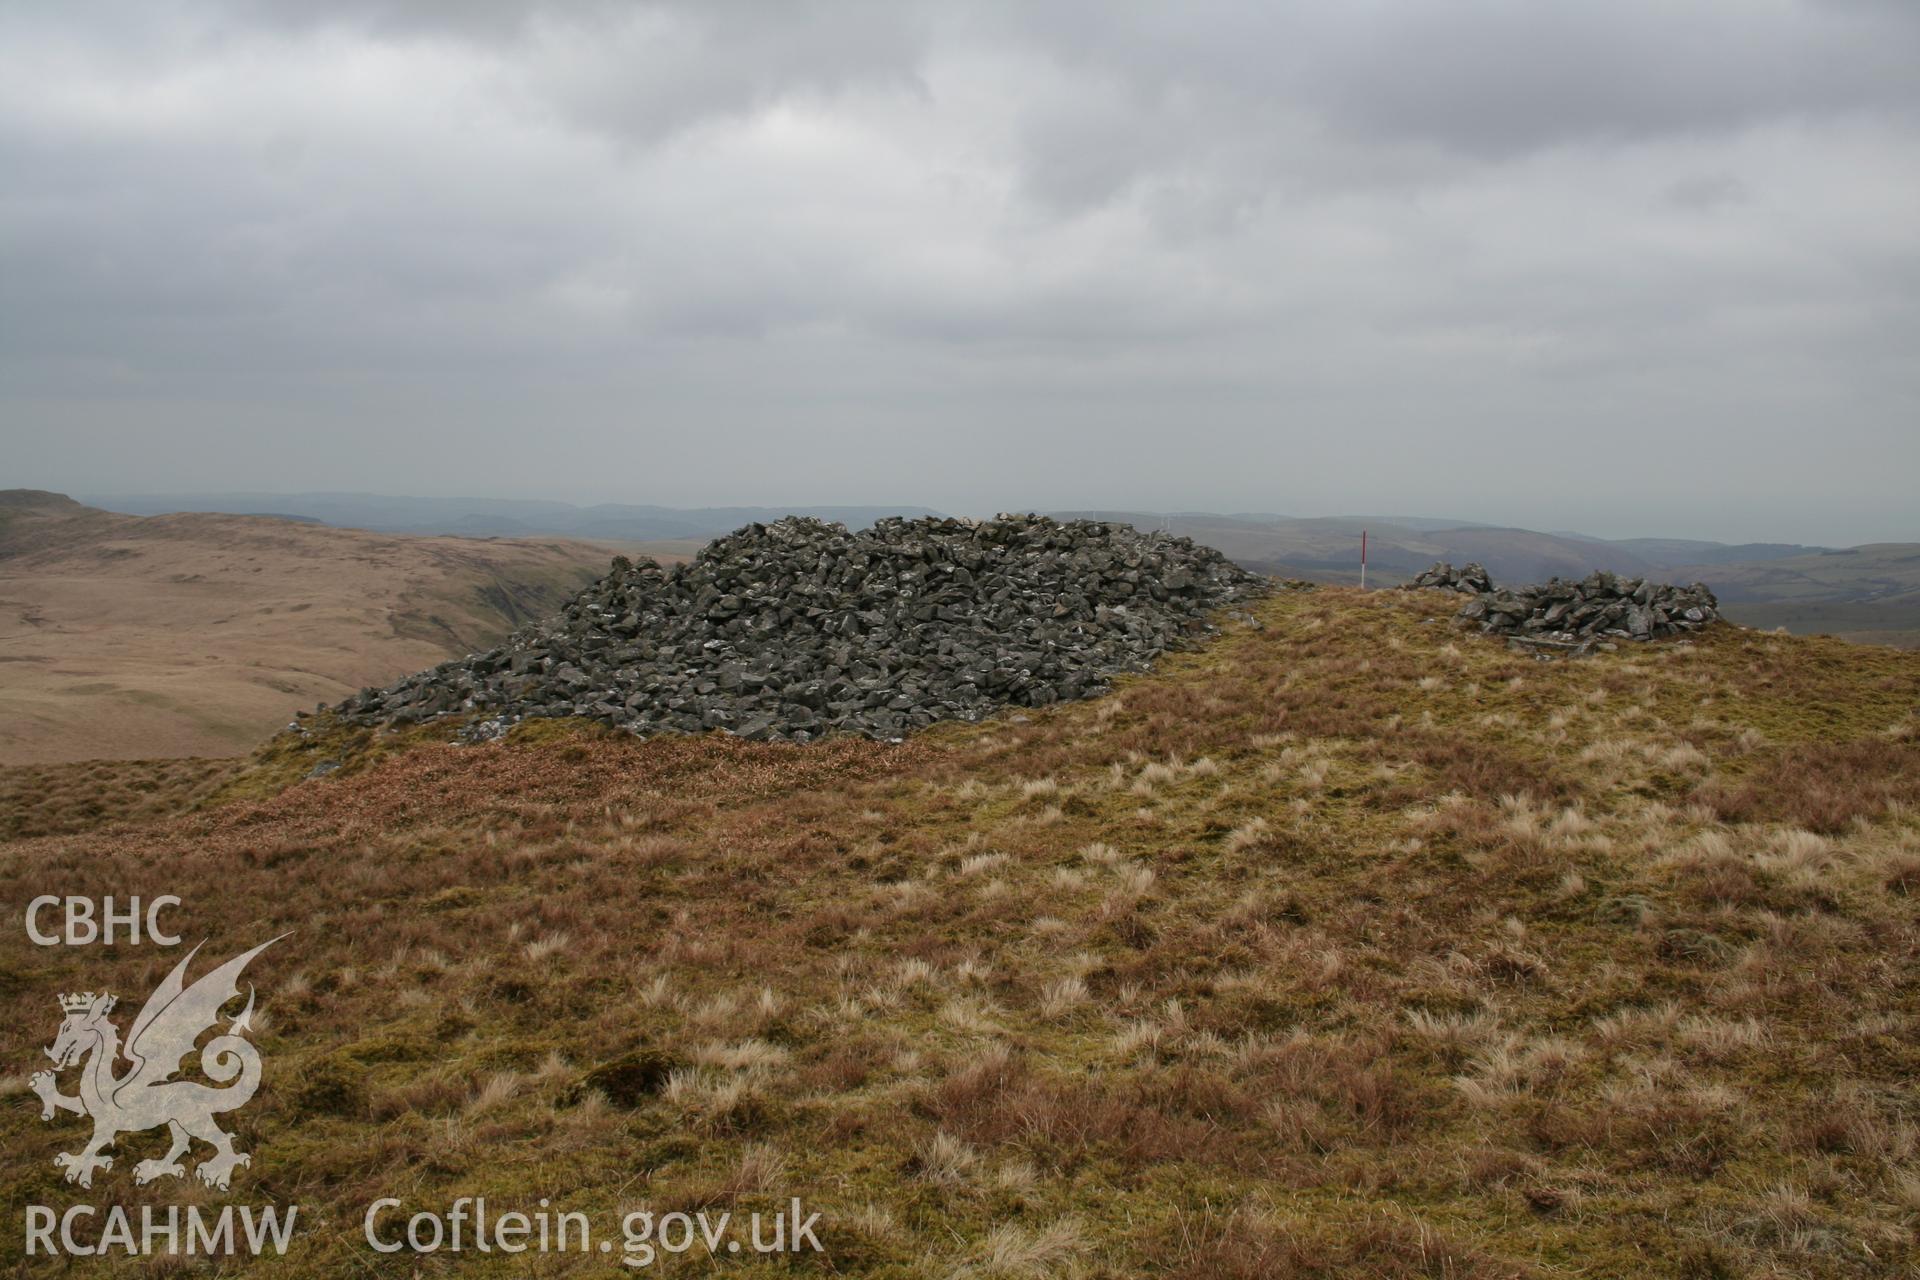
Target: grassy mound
(1347, 945)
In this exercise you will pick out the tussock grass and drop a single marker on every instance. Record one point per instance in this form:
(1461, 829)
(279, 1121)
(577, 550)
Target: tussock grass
(1347, 945)
(59, 799)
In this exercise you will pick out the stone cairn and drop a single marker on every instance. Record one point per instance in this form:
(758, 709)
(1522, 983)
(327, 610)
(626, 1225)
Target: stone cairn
(1473, 580)
(1574, 615)
(799, 628)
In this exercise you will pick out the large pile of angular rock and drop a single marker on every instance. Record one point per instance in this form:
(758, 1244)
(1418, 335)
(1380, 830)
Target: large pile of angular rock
(1472, 580)
(799, 628)
(1600, 606)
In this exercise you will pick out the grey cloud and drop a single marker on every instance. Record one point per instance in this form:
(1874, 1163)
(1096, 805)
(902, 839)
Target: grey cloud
(1428, 89)
(1092, 254)
(655, 72)
(1708, 191)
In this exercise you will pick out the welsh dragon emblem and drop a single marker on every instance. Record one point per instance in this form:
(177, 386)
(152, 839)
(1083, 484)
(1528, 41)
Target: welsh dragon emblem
(146, 1096)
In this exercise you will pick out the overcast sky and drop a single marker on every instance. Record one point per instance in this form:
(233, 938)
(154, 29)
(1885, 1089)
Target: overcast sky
(1629, 266)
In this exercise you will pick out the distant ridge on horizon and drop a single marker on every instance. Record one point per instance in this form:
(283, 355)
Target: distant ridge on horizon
(1869, 593)
(483, 517)
(495, 517)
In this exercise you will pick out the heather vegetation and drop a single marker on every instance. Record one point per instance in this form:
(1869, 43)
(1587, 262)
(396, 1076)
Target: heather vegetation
(55, 799)
(1347, 945)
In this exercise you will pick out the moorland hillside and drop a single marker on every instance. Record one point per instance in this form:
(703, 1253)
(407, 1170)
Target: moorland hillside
(194, 635)
(1346, 944)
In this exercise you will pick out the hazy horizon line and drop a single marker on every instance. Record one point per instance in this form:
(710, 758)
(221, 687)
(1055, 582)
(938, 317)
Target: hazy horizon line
(1412, 522)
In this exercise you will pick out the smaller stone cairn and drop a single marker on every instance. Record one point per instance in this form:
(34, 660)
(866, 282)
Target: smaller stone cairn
(1473, 580)
(1574, 615)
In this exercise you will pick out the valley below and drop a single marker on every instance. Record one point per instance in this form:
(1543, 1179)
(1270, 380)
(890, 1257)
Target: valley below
(197, 635)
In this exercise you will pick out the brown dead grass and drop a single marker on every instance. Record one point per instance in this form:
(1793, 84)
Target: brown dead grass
(59, 799)
(1274, 963)
(1824, 788)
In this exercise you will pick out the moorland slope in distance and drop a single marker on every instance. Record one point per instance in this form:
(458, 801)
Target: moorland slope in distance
(126, 637)
(1868, 594)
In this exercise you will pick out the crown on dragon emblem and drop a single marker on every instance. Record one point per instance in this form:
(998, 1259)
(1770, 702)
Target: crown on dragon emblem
(145, 1095)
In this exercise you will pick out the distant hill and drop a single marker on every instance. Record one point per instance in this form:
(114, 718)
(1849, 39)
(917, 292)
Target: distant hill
(1882, 573)
(38, 501)
(1681, 551)
(1328, 549)
(1763, 583)
(1869, 594)
(196, 634)
(498, 517)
